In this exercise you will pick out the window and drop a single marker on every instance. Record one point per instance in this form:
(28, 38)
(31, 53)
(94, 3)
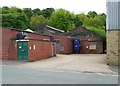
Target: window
(92, 45)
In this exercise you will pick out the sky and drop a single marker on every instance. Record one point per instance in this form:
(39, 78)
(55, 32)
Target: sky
(76, 6)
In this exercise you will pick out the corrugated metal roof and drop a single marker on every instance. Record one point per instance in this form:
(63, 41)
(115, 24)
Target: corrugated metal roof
(113, 0)
(113, 14)
(55, 29)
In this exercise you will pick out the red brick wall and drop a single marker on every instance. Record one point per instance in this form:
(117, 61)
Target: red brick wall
(6, 35)
(99, 47)
(8, 45)
(66, 43)
(12, 53)
(42, 50)
(14, 34)
(83, 48)
(40, 37)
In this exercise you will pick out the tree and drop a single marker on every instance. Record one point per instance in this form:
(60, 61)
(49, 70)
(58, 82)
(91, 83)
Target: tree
(77, 21)
(15, 10)
(28, 12)
(35, 21)
(103, 19)
(37, 11)
(22, 21)
(92, 14)
(82, 17)
(5, 10)
(47, 12)
(88, 22)
(62, 19)
(96, 23)
(15, 20)
(100, 32)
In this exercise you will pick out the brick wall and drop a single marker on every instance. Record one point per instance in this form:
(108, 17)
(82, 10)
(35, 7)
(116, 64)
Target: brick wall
(9, 46)
(66, 43)
(113, 47)
(99, 47)
(6, 35)
(42, 50)
(83, 47)
(36, 36)
(12, 52)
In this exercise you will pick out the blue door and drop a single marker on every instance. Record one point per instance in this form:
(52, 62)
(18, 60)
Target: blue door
(76, 45)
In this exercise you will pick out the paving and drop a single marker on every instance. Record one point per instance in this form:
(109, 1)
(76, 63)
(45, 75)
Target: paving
(86, 63)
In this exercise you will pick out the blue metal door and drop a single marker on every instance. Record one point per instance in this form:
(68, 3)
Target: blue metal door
(76, 46)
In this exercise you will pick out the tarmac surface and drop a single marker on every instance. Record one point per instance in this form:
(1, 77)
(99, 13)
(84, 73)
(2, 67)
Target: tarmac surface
(17, 75)
(83, 63)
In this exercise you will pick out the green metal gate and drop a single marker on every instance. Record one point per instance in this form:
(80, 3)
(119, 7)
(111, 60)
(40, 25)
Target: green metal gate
(22, 50)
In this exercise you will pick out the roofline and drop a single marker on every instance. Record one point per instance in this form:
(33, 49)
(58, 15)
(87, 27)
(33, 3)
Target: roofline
(93, 32)
(54, 28)
(28, 32)
(88, 30)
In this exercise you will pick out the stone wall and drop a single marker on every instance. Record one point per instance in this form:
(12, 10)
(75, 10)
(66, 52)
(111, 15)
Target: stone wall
(113, 47)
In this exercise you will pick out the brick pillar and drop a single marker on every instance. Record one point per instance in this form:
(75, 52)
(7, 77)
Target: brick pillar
(113, 47)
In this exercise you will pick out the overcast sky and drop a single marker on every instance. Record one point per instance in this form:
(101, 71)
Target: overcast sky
(76, 6)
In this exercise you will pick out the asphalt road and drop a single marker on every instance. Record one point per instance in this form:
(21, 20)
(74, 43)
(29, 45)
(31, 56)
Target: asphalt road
(17, 75)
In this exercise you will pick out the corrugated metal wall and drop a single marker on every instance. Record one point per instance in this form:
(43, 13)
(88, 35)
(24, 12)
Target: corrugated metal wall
(113, 14)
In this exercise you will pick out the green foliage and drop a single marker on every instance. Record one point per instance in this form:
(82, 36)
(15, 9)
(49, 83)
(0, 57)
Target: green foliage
(77, 21)
(15, 21)
(47, 12)
(5, 10)
(98, 31)
(9, 20)
(62, 19)
(82, 17)
(37, 11)
(15, 10)
(96, 24)
(28, 12)
(92, 14)
(23, 21)
(35, 21)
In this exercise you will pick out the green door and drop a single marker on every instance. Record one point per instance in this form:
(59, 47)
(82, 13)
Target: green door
(22, 50)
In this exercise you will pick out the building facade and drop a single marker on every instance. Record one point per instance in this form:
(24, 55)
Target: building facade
(89, 41)
(113, 32)
(64, 44)
(32, 47)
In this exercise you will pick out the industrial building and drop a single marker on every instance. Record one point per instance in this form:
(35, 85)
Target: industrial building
(86, 41)
(25, 45)
(89, 42)
(113, 32)
(47, 42)
(64, 44)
